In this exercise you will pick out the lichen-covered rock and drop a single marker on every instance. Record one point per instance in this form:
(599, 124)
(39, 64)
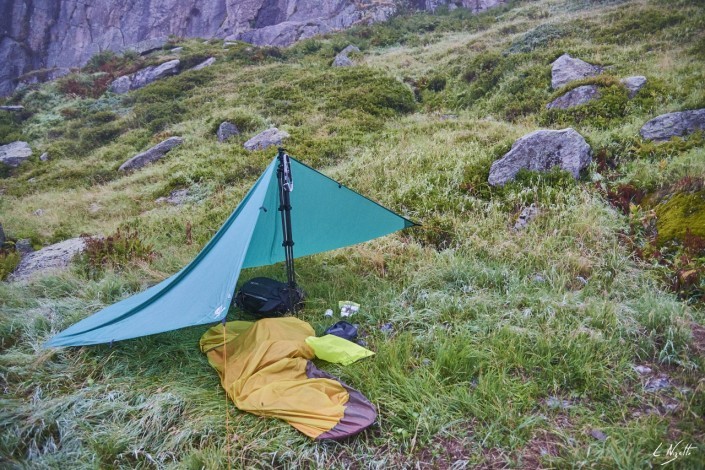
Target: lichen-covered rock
(152, 155)
(675, 124)
(226, 130)
(206, 63)
(634, 84)
(566, 69)
(540, 151)
(342, 59)
(15, 153)
(51, 258)
(268, 138)
(575, 97)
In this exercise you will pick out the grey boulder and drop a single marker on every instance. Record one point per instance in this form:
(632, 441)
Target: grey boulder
(575, 97)
(634, 84)
(540, 151)
(226, 130)
(144, 77)
(566, 69)
(268, 138)
(674, 124)
(152, 155)
(15, 153)
(51, 258)
(342, 59)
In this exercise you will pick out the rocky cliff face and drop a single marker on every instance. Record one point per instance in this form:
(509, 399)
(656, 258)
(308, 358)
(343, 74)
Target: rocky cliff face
(52, 35)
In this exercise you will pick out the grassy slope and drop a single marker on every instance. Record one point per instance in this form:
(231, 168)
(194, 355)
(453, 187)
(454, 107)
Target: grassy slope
(479, 344)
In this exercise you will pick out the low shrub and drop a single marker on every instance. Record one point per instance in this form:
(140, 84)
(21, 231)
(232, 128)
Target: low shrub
(116, 251)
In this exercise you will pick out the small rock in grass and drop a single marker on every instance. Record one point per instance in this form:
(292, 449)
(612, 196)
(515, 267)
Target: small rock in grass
(575, 97)
(15, 153)
(527, 215)
(342, 59)
(153, 154)
(38, 212)
(44, 157)
(387, 328)
(175, 198)
(656, 384)
(541, 151)
(599, 435)
(567, 69)
(268, 138)
(674, 125)
(226, 130)
(634, 84)
(557, 403)
(643, 370)
(206, 63)
(51, 258)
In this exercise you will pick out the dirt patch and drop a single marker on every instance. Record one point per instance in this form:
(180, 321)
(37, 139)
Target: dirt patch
(495, 459)
(542, 446)
(447, 449)
(698, 338)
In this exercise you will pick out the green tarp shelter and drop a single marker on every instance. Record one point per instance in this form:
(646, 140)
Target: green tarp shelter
(325, 215)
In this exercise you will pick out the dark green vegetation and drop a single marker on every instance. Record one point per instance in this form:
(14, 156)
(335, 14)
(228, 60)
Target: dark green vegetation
(506, 348)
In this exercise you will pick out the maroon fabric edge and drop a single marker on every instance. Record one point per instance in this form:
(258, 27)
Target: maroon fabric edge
(359, 413)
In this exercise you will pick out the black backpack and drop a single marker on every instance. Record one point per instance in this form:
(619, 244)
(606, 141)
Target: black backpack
(264, 297)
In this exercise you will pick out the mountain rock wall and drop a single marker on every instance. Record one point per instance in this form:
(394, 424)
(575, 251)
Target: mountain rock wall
(52, 35)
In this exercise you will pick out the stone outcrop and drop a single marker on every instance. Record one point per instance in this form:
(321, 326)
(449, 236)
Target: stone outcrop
(342, 59)
(566, 69)
(144, 77)
(268, 138)
(51, 258)
(540, 151)
(674, 124)
(226, 130)
(634, 84)
(55, 35)
(575, 97)
(152, 155)
(15, 153)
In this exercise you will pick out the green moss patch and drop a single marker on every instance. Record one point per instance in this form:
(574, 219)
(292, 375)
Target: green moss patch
(683, 212)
